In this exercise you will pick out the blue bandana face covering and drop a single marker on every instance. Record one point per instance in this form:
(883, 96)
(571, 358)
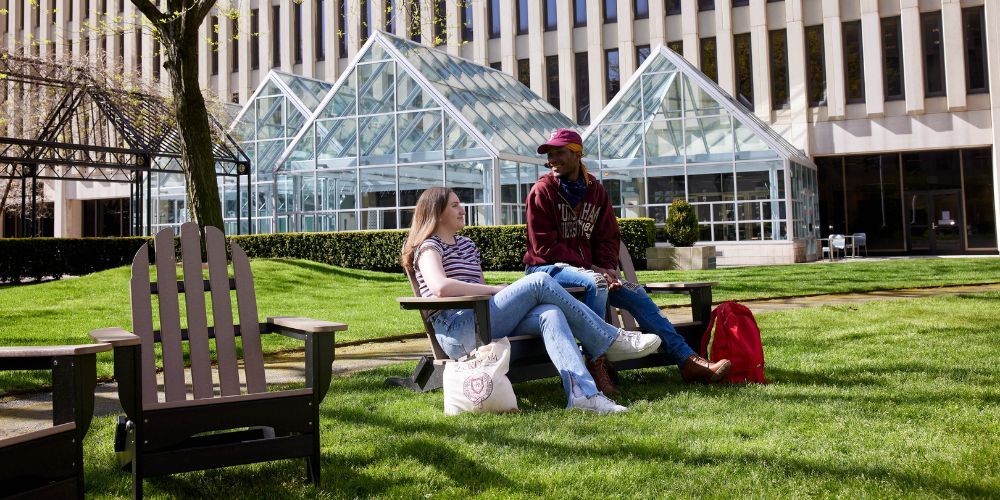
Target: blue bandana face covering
(574, 191)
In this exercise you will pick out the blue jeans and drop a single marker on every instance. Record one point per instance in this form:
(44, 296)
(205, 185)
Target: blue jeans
(636, 302)
(535, 305)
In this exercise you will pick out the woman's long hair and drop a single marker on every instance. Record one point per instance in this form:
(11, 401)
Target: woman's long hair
(430, 206)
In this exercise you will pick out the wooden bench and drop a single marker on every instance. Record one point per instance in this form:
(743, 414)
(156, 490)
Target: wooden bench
(529, 360)
(48, 463)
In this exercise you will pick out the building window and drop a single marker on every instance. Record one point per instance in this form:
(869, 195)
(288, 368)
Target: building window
(69, 10)
(120, 38)
(641, 54)
(676, 46)
(415, 27)
(494, 13)
(255, 39)
(580, 72)
(138, 51)
(612, 73)
(524, 72)
(641, 9)
(214, 26)
(156, 58)
(743, 69)
(930, 23)
(297, 29)
(522, 16)
(704, 5)
(552, 78)
(976, 64)
(365, 21)
(673, 7)
(440, 23)
(741, 3)
(892, 59)
(390, 16)
(778, 47)
(579, 13)
(320, 31)
(467, 32)
(610, 11)
(709, 61)
(497, 65)
(234, 44)
(549, 14)
(275, 36)
(854, 69)
(342, 31)
(815, 65)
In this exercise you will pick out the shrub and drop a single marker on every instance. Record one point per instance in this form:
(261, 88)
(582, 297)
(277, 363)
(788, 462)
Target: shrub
(682, 224)
(502, 248)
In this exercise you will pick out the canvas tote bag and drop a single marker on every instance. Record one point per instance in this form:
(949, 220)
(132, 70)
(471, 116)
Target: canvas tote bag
(478, 382)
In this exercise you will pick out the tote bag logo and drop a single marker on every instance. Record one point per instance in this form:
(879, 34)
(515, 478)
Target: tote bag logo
(477, 388)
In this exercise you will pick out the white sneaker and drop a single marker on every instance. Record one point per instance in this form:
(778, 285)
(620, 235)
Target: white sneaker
(599, 404)
(632, 345)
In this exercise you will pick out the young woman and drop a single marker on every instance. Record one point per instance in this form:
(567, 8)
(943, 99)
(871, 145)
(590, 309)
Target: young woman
(446, 264)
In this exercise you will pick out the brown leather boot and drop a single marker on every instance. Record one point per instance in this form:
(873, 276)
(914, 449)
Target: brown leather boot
(598, 369)
(699, 369)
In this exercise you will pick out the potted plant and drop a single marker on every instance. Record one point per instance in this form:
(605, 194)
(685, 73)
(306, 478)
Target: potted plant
(681, 230)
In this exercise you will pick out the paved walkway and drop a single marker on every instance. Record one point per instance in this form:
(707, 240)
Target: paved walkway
(30, 412)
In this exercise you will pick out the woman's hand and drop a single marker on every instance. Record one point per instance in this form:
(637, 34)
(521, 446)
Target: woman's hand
(497, 288)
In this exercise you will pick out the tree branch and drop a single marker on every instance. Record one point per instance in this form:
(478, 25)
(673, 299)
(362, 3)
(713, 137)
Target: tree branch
(150, 10)
(202, 8)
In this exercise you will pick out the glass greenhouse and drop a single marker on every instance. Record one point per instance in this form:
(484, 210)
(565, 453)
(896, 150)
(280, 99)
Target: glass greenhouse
(401, 118)
(671, 132)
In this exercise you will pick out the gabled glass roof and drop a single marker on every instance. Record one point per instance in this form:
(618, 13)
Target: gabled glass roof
(302, 95)
(447, 108)
(671, 113)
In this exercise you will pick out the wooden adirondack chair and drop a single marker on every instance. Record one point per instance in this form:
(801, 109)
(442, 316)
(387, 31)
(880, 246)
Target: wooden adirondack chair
(213, 425)
(48, 463)
(529, 360)
(701, 309)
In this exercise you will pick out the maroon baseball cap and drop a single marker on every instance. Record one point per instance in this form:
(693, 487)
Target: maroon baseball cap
(559, 138)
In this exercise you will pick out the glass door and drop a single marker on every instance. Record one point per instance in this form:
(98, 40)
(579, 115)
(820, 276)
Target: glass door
(934, 221)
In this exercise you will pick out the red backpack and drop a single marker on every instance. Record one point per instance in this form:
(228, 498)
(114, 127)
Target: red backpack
(736, 338)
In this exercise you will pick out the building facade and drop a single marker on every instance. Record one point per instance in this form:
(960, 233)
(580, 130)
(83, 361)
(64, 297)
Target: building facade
(896, 102)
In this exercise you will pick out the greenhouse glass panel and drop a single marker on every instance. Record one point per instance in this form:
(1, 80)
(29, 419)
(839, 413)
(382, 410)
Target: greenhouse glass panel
(336, 143)
(376, 82)
(343, 101)
(459, 143)
(410, 95)
(708, 139)
(472, 181)
(662, 96)
(267, 157)
(414, 179)
(270, 117)
(627, 108)
(420, 136)
(378, 187)
(626, 188)
(621, 145)
(377, 140)
(665, 142)
(303, 156)
(336, 189)
(698, 102)
(309, 92)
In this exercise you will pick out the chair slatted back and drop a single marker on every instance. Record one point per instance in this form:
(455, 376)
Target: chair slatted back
(198, 333)
(424, 315)
(620, 317)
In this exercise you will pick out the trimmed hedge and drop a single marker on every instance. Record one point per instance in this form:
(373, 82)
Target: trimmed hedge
(38, 258)
(501, 246)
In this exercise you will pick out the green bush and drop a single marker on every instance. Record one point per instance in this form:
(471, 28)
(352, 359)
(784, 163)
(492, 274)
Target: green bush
(681, 227)
(38, 258)
(502, 248)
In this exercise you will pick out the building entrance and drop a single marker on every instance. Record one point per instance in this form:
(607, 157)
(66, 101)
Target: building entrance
(934, 221)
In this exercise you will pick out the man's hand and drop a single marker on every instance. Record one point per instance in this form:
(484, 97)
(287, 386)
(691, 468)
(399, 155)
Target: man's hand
(611, 276)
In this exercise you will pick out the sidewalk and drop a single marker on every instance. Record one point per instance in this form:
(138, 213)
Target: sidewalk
(31, 412)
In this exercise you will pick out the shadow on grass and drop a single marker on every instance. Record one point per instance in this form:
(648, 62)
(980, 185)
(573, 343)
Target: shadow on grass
(340, 271)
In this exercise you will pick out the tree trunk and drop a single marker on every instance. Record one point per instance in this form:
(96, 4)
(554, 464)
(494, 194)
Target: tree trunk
(197, 156)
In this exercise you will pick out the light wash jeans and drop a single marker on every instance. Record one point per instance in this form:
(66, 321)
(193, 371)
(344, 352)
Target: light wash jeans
(535, 305)
(636, 302)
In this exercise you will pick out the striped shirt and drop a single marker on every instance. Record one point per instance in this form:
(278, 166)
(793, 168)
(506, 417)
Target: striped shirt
(461, 261)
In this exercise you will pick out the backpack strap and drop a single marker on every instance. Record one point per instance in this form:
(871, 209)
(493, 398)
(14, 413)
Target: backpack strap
(707, 336)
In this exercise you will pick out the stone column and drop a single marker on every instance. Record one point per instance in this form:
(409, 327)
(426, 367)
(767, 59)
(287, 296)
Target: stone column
(689, 22)
(626, 40)
(913, 56)
(871, 42)
(761, 60)
(508, 33)
(797, 87)
(536, 55)
(833, 45)
(992, 11)
(724, 44)
(567, 58)
(595, 59)
(954, 53)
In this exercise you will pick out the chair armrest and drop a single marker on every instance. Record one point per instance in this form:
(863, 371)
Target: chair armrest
(678, 286)
(51, 351)
(303, 325)
(440, 303)
(115, 336)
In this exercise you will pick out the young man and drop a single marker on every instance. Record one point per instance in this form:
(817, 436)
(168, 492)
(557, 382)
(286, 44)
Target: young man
(573, 235)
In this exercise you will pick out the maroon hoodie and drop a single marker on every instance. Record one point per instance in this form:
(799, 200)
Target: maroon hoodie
(581, 237)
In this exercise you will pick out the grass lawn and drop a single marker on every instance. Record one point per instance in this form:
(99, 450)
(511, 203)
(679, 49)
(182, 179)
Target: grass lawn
(881, 399)
(64, 311)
